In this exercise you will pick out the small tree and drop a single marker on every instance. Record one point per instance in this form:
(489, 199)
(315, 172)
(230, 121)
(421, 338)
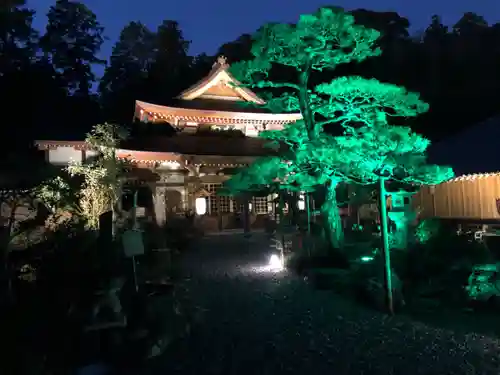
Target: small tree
(102, 181)
(351, 102)
(390, 153)
(102, 175)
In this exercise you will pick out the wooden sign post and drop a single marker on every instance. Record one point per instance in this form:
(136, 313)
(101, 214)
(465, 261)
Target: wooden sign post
(133, 246)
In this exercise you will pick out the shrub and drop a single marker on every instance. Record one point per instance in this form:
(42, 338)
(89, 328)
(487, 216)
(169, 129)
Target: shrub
(427, 230)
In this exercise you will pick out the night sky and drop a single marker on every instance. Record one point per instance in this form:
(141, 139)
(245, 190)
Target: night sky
(210, 23)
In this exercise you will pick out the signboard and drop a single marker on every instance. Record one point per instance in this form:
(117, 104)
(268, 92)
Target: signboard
(132, 243)
(140, 212)
(397, 201)
(173, 178)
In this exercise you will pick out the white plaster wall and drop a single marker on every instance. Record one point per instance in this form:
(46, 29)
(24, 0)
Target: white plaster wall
(250, 131)
(63, 155)
(173, 178)
(89, 154)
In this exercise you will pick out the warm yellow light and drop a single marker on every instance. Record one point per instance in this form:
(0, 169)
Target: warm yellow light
(201, 206)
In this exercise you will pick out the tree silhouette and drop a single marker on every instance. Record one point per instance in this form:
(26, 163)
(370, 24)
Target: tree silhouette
(171, 65)
(125, 77)
(18, 38)
(72, 39)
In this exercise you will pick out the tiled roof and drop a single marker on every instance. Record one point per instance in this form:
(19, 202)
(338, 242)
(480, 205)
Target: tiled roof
(201, 145)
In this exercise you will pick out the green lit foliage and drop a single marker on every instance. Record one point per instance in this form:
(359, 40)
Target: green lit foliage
(390, 152)
(427, 229)
(373, 146)
(354, 100)
(292, 170)
(260, 175)
(369, 148)
(318, 41)
(310, 163)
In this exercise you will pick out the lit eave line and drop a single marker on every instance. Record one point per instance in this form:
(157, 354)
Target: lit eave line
(472, 177)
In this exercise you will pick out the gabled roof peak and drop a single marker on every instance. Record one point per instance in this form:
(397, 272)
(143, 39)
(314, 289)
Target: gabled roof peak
(221, 61)
(219, 84)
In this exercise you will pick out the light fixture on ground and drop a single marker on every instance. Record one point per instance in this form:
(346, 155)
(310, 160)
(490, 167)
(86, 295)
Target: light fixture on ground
(275, 262)
(201, 206)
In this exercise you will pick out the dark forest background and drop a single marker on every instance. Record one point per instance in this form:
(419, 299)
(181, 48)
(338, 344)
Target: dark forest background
(49, 89)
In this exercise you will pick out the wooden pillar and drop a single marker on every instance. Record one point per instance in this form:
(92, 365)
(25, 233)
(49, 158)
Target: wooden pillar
(219, 215)
(160, 205)
(246, 215)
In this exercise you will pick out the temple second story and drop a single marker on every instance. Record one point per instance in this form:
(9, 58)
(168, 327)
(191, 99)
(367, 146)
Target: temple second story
(216, 102)
(214, 105)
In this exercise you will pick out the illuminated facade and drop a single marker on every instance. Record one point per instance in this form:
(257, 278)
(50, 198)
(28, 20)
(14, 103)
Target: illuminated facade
(191, 164)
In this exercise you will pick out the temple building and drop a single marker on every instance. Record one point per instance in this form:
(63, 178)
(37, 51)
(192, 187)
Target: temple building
(215, 133)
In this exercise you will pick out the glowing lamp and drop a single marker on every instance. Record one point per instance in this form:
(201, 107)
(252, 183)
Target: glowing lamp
(301, 205)
(249, 206)
(201, 206)
(275, 262)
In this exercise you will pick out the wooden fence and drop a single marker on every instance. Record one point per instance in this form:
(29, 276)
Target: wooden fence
(465, 197)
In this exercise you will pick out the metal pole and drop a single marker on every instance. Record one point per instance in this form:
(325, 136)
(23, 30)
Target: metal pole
(136, 285)
(282, 224)
(134, 227)
(385, 243)
(134, 210)
(308, 208)
(309, 237)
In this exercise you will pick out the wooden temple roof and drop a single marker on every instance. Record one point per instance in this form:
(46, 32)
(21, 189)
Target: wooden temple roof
(202, 145)
(210, 116)
(180, 148)
(217, 99)
(220, 83)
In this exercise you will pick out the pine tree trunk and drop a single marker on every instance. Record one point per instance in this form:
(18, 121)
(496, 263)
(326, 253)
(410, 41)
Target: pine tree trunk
(304, 104)
(331, 218)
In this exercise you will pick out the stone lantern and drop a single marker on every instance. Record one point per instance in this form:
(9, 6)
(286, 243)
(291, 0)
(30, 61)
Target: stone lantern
(402, 214)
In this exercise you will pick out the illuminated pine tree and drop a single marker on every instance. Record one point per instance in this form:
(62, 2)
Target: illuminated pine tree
(359, 106)
(317, 42)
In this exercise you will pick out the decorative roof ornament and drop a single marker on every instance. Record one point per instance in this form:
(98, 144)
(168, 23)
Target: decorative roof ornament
(222, 60)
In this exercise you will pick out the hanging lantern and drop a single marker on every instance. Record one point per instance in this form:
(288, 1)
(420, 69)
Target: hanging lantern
(201, 206)
(301, 203)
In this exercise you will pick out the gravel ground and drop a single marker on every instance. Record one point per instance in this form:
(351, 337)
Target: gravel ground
(256, 322)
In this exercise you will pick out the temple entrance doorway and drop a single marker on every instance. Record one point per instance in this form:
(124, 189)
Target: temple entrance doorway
(145, 206)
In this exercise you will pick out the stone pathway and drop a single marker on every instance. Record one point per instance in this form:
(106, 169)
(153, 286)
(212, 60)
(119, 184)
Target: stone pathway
(257, 322)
